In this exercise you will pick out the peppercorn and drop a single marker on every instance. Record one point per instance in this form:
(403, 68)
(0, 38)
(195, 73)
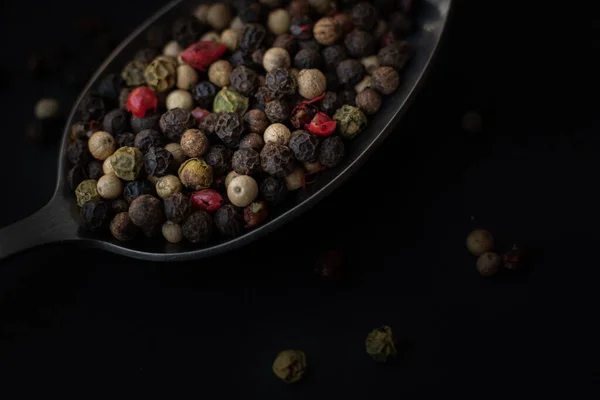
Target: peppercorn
(395, 55)
(83, 131)
(157, 35)
(313, 167)
(237, 25)
(279, 21)
(230, 101)
(277, 133)
(229, 178)
(276, 57)
(290, 365)
(229, 128)
(256, 121)
(177, 152)
(218, 16)
(366, 83)
(101, 145)
(149, 121)
(359, 43)
(252, 38)
(273, 190)
(133, 73)
(167, 186)
(196, 174)
(350, 72)
(177, 207)
(148, 138)
(264, 95)
(304, 146)
(125, 139)
(348, 96)
(107, 167)
(480, 241)
(110, 187)
(309, 44)
(369, 101)
(311, 83)
(94, 170)
(327, 31)
(146, 212)
(75, 176)
(351, 121)
(219, 158)
(204, 94)
(179, 99)
(194, 143)
(364, 16)
(46, 108)
(127, 163)
(157, 161)
(92, 108)
(219, 73)
(230, 38)
(244, 80)
(208, 124)
(400, 24)
(246, 161)
(281, 81)
(276, 159)
(333, 54)
(110, 86)
(330, 103)
(512, 258)
(87, 190)
(77, 152)
(250, 11)
(331, 151)
(186, 30)
(95, 215)
(115, 122)
(146, 55)
(295, 179)
(160, 74)
(122, 228)
(488, 264)
(287, 42)
(302, 115)
(298, 8)
(308, 59)
(301, 27)
(381, 344)
(277, 110)
(172, 232)
(175, 122)
(242, 190)
(228, 220)
(135, 189)
(386, 80)
(208, 200)
(371, 63)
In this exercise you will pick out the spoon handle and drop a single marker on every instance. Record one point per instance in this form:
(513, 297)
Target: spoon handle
(52, 223)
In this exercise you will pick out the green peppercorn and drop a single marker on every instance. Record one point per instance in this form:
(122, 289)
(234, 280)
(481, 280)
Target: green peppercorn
(86, 191)
(127, 163)
(290, 365)
(133, 73)
(196, 174)
(350, 121)
(380, 344)
(160, 74)
(230, 101)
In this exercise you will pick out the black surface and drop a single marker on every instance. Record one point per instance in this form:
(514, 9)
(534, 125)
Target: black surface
(91, 323)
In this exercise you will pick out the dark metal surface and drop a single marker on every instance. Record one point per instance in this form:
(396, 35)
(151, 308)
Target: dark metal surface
(57, 221)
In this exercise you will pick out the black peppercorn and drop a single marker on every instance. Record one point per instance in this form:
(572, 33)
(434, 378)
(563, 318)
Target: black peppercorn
(359, 43)
(92, 108)
(229, 127)
(286, 41)
(276, 160)
(331, 102)
(395, 55)
(348, 97)
(146, 212)
(125, 139)
(219, 158)
(76, 175)
(94, 170)
(302, 27)
(146, 55)
(252, 38)
(256, 121)
(246, 161)
(197, 227)
(177, 207)
(78, 152)
(157, 161)
(364, 16)
(333, 83)
(252, 141)
(264, 95)
(273, 190)
(277, 110)
(148, 138)
(258, 57)
(204, 94)
(250, 11)
(122, 228)
(228, 220)
(308, 59)
(350, 72)
(333, 54)
(239, 57)
(174, 122)
(400, 25)
(118, 206)
(280, 81)
(208, 123)
(157, 36)
(304, 146)
(244, 80)
(149, 121)
(331, 151)
(95, 215)
(309, 44)
(135, 189)
(116, 121)
(110, 86)
(186, 30)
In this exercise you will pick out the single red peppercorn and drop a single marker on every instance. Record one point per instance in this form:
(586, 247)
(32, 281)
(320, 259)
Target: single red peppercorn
(255, 214)
(330, 265)
(201, 54)
(199, 114)
(512, 258)
(141, 100)
(207, 200)
(321, 125)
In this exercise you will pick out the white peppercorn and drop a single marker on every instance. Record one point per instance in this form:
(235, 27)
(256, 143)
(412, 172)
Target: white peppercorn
(187, 77)
(172, 232)
(237, 25)
(107, 167)
(276, 57)
(172, 49)
(201, 12)
(177, 153)
(230, 38)
(102, 145)
(219, 73)
(312, 167)
(229, 178)
(488, 263)
(277, 133)
(179, 98)
(480, 241)
(110, 187)
(46, 108)
(371, 63)
(242, 190)
(366, 83)
(279, 21)
(211, 36)
(311, 83)
(167, 186)
(218, 16)
(295, 179)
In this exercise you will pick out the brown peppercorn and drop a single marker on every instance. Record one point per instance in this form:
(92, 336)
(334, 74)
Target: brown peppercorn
(122, 228)
(327, 31)
(252, 141)
(311, 83)
(256, 121)
(279, 21)
(246, 162)
(197, 227)
(350, 72)
(290, 365)
(177, 207)
(359, 43)
(277, 110)
(364, 16)
(480, 241)
(369, 101)
(276, 160)
(395, 55)
(488, 264)
(276, 57)
(146, 212)
(194, 143)
(385, 80)
(218, 16)
(229, 128)
(175, 122)
(101, 145)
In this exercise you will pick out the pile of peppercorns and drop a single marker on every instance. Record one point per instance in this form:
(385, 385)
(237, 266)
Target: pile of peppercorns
(223, 115)
(480, 243)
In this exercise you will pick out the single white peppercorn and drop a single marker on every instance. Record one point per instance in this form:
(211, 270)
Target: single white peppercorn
(167, 186)
(172, 232)
(177, 152)
(371, 63)
(230, 177)
(172, 49)
(219, 73)
(179, 98)
(110, 187)
(211, 36)
(295, 179)
(364, 84)
(242, 190)
(46, 108)
(311, 83)
(279, 21)
(480, 241)
(237, 25)
(218, 16)
(102, 145)
(230, 38)
(187, 77)
(277, 133)
(107, 167)
(201, 12)
(276, 57)
(488, 263)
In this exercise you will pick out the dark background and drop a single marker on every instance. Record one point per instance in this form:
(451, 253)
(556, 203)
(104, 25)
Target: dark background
(88, 323)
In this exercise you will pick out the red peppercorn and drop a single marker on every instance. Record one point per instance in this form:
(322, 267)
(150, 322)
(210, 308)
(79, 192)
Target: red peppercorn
(330, 264)
(199, 114)
(207, 200)
(321, 125)
(512, 258)
(201, 54)
(255, 214)
(141, 100)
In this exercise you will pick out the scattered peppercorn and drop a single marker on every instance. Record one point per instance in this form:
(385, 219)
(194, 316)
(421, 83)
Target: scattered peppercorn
(369, 101)
(122, 228)
(308, 59)
(395, 55)
(204, 94)
(92, 108)
(287, 42)
(351, 121)
(256, 121)
(277, 110)
(277, 133)
(207, 199)
(101, 145)
(252, 38)
(125, 139)
(488, 264)
(219, 73)
(350, 71)
(242, 190)
(327, 31)
(175, 122)
(480, 241)
(94, 170)
(276, 160)
(147, 139)
(46, 108)
(246, 161)
(86, 191)
(381, 344)
(255, 214)
(275, 58)
(301, 27)
(160, 73)
(194, 143)
(330, 103)
(227, 101)
(115, 122)
(196, 174)
(179, 99)
(157, 161)
(281, 81)
(295, 179)
(127, 163)
(385, 80)
(77, 152)
(331, 151)
(229, 128)
(244, 80)
(76, 175)
(311, 83)
(359, 43)
(149, 121)
(219, 158)
(273, 190)
(197, 227)
(333, 54)
(133, 73)
(304, 146)
(290, 365)
(177, 207)
(230, 38)
(95, 215)
(186, 30)
(348, 97)
(228, 220)
(146, 212)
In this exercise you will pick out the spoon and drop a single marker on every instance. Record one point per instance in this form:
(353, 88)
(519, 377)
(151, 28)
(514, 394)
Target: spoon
(58, 221)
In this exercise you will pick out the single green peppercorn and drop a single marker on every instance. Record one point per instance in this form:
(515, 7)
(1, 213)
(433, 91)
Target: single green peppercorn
(127, 163)
(86, 191)
(133, 73)
(380, 344)
(350, 121)
(160, 74)
(196, 174)
(227, 101)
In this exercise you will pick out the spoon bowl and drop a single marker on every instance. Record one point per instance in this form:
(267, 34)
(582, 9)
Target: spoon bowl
(58, 221)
